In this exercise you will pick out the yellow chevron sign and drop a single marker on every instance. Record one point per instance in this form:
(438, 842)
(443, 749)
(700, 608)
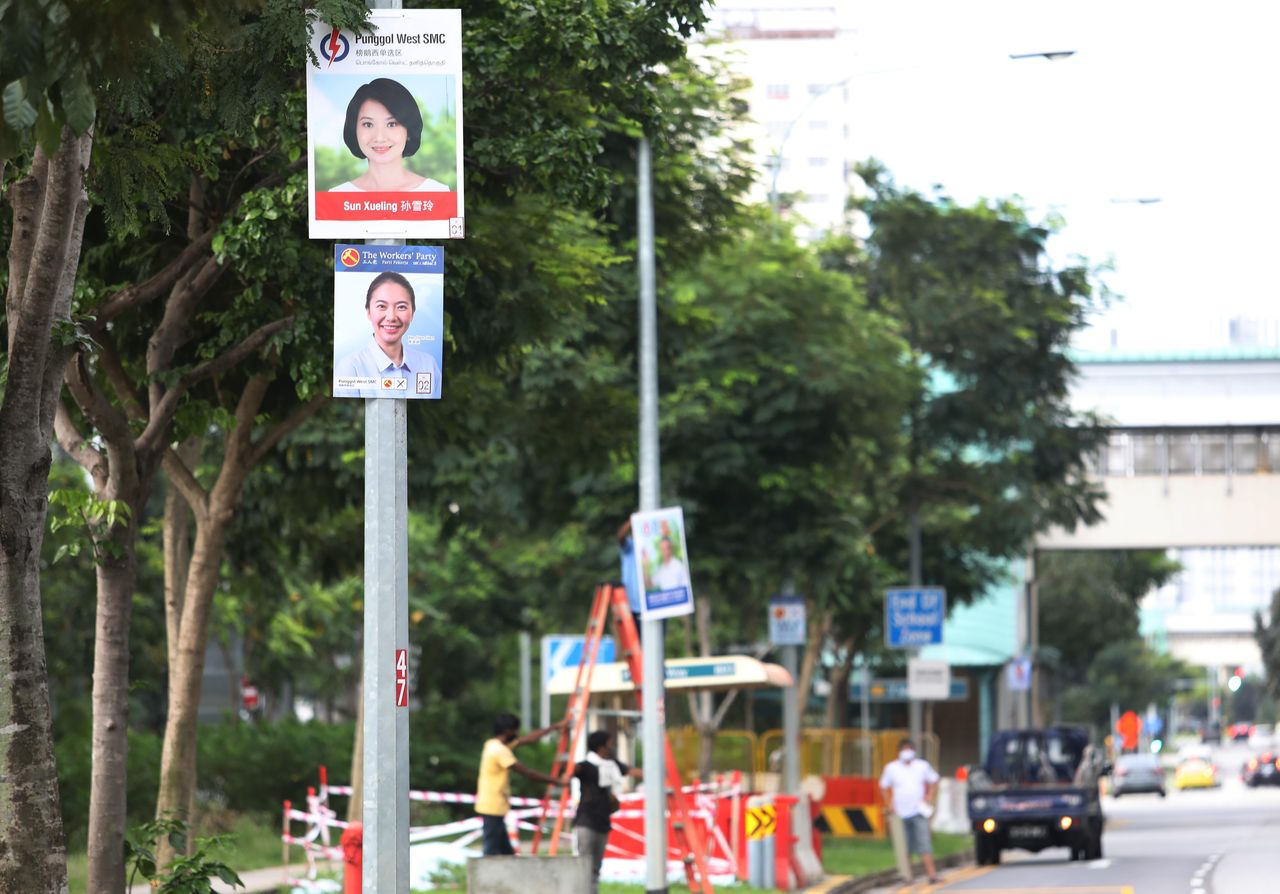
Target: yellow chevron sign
(761, 821)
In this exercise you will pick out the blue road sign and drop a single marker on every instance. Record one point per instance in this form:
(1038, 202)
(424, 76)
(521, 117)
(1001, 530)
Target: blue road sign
(913, 616)
(560, 651)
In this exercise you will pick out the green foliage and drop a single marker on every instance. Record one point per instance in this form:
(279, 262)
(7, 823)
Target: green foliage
(74, 756)
(781, 415)
(77, 507)
(1267, 634)
(1089, 600)
(1126, 673)
(186, 874)
(994, 451)
(448, 875)
(255, 767)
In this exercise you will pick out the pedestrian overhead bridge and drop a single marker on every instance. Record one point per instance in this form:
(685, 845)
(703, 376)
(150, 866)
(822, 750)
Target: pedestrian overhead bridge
(1193, 454)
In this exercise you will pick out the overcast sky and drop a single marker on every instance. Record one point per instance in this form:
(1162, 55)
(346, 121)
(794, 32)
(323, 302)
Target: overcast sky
(1170, 100)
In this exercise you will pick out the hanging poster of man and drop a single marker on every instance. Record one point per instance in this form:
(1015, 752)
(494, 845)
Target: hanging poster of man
(662, 563)
(384, 128)
(388, 321)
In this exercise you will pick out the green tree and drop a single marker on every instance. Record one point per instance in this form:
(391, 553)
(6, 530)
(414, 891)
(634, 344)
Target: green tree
(1088, 600)
(55, 60)
(1266, 631)
(1127, 674)
(993, 449)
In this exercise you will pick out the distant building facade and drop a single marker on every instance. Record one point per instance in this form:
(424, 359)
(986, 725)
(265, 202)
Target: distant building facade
(798, 57)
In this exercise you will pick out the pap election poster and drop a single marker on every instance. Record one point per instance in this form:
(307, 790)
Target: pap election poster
(384, 128)
(662, 563)
(388, 321)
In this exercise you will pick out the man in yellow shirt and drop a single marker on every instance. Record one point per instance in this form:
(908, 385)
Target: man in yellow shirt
(493, 788)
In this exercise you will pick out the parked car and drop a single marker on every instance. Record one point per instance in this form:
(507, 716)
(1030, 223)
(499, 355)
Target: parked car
(1136, 773)
(1264, 769)
(1195, 772)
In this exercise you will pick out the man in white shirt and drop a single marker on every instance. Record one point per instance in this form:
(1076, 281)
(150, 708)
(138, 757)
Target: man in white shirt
(909, 785)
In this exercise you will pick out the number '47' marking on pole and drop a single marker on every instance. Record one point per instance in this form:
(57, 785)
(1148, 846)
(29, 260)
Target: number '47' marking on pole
(402, 678)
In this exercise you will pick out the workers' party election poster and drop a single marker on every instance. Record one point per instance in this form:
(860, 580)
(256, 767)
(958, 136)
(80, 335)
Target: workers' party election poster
(662, 563)
(388, 321)
(384, 128)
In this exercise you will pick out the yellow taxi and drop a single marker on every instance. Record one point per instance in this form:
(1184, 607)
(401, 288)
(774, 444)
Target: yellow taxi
(1195, 772)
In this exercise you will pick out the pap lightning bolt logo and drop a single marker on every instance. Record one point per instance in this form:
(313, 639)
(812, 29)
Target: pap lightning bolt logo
(334, 47)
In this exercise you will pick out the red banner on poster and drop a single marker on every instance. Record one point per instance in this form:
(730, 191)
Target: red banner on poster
(388, 206)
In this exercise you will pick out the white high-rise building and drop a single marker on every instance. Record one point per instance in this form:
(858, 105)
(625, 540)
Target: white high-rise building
(798, 57)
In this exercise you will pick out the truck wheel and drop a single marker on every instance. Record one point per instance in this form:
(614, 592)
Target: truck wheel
(986, 852)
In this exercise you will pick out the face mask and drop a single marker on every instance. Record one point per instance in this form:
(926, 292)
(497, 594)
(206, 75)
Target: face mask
(906, 755)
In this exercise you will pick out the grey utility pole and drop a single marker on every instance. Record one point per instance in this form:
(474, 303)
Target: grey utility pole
(385, 803)
(791, 700)
(917, 579)
(385, 800)
(652, 699)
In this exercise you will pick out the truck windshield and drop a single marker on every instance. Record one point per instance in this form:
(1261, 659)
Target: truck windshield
(1036, 756)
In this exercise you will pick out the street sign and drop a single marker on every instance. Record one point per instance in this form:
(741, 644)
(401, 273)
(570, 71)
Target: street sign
(913, 616)
(560, 651)
(928, 680)
(786, 621)
(894, 689)
(1018, 674)
(761, 821)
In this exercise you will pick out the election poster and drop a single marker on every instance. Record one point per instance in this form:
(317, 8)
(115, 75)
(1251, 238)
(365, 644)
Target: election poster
(384, 128)
(388, 321)
(662, 563)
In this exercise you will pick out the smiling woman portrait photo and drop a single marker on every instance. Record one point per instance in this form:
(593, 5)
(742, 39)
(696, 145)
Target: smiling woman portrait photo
(390, 305)
(384, 127)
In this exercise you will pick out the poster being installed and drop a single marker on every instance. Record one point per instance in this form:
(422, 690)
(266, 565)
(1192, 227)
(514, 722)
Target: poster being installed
(388, 321)
(662, 563)
(384, 128)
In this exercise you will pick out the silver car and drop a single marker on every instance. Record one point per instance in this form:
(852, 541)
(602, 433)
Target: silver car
(1137, 773)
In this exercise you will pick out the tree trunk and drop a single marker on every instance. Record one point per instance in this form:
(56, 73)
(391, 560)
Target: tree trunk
(177, 757)
(819, 629)
(49, 208)
(837, 714)
(177, 554)
(107, 790)
(214, 511)
(33, 855)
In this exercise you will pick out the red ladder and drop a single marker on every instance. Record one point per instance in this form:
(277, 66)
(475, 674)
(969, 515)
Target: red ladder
(567, 744)
(688, 836)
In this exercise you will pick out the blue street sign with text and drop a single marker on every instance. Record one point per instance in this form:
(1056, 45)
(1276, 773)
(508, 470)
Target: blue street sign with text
(913, 616)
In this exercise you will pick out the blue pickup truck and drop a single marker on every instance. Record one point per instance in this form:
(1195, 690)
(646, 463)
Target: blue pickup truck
(1037, 789)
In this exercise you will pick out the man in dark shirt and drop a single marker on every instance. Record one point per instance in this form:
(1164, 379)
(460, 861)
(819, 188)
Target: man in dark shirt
(598, 776)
